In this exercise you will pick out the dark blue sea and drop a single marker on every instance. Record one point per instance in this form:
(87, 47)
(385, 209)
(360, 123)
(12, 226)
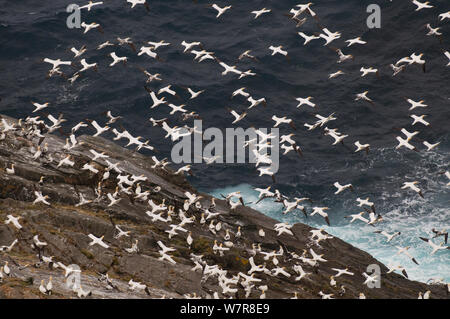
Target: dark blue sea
(33, 30)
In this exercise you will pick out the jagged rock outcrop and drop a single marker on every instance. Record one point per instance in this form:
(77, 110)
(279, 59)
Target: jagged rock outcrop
(65, 228)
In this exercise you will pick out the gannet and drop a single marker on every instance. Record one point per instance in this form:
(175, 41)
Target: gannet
(246, 54)
(136, 2)
(90, 26)
(445, 15)
(336, 74)
(357, 216)
(430, 146)
(258, 13)
(307, 101)
(415, 104)
(343, 57)
(419, 119)
(321, 212)
(363, 96)
(86, 66)
(97, 240)
(361, 147)
(219, 10)
(341, 188)
(397, 69)
(188, 46)
(434, 246)
(404, 250)
(237, 117)
(39, 106)
(41, 198)
(117, 59)
(10, 170)
(404, 143)
(388, 236)
(278, 50)
(412, 186)
(355, 41)
(366, 71)
(422, 5)
(14, 221)
(308, 38)
(10, 247)
(90, 5)
(438, 233)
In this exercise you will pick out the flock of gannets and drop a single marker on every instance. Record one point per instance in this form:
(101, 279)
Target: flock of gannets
(128, 185)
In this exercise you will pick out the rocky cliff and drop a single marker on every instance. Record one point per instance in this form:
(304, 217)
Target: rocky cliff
(64, 226)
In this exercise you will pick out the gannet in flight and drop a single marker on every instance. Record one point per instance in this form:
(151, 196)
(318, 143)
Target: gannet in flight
(79, 52)
(98, 241)
(14, 221)
(237, 116)
(412, 186)
(434, 246)
(40, 107)
(246, 54)
(155, 99)
(355, 41)
(404, 250)
(329, 36)
(445, 15)
(363, 96)
(219, 10)
(438, 233)
(229, 68)
(117, 59)
(282, 120)
(149, 52)
(86, 66)
(447, 54)
(278, 50)
(388, 236)
(90, 5)
(366, 71)
(430, 146)
(361, 147)
(57, 63)
(100, 130)
(358, 216)
(343, 57)
(335, 74)
(404, 143)
(136, 2)
(306, 101)
(10, 247)
(41, 198)
(321, 212)
(397, 69)
(398, 267)
(341, 188)
(188, 46)
(415, 104)
(258, 13)
(90, 26)
(308, 38)
(422, 5)
(419, 119)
